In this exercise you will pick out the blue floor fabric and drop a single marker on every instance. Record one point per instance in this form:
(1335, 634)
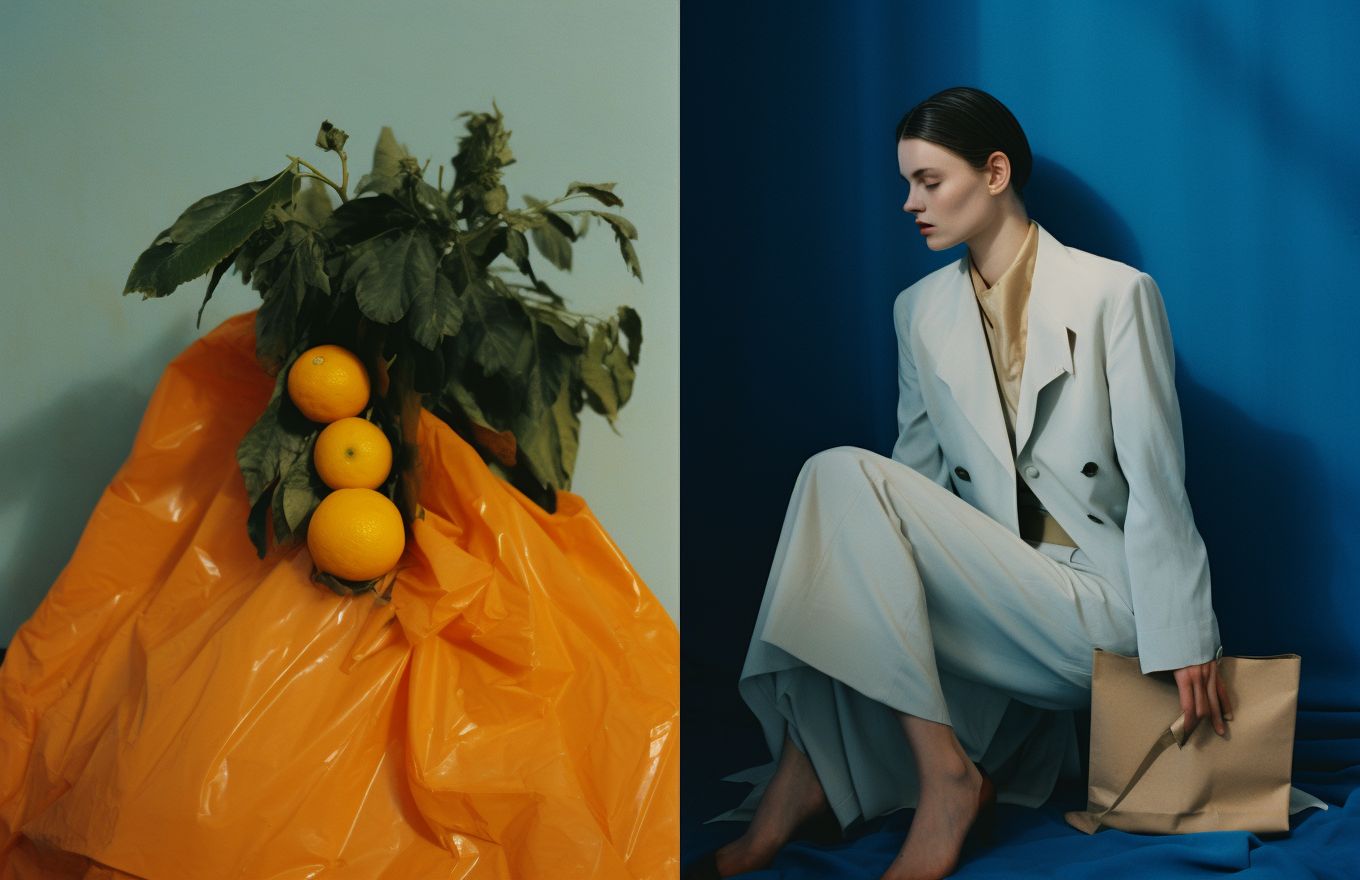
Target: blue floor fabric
(1040, 844)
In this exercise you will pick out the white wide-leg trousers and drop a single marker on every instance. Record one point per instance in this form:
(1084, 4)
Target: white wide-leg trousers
(890, 594)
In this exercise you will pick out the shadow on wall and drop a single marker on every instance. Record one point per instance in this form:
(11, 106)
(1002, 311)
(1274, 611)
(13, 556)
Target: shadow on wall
(1269, 564)
(55, 466)
(1078, 216)
(1272, 558)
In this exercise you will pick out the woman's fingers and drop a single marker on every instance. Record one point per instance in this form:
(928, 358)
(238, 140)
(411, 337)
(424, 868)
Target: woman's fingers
(1212, 690)
(1188, 705)
(1223, 698)
(1201, 705)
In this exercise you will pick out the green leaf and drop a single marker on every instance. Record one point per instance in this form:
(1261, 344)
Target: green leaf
(388, 154)
(623, 232)
(260, 241)
(282, 530)
(275, 440)
(572, 332)
(620, 223)
(631, 325)
(386, 272)
(301, 488)
(257, 454)
(567, 425)
(360, 220)
(517, 249)
(524, 220)
(143, 274)
(536, 428)
(601, 192)
(607, 372)
(495, 200)
(208, 231)
(257, 524)
(482, 153)
(295, 262)
(342, 587)
(275, 326)
(560, 223)
(621, 370)
(285, 272)
(467, 402)
(314, 204)
(552, 363)
(218, 272)
(601, 393)
(542, 287)
(552, 244)
(503, 340)
(435, 312)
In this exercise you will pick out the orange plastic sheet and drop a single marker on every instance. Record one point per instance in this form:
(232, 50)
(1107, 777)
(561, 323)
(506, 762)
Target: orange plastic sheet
(179, 708)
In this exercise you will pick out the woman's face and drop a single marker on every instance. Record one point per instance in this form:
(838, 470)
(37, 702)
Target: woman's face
(946, 193)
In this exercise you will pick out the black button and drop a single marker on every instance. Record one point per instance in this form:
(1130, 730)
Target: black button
(1089, 469)
(1095, 519)
(962, 474)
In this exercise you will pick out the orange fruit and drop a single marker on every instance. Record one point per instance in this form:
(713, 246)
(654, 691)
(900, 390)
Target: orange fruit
(356, 534)
(353, 453)
(328, 382)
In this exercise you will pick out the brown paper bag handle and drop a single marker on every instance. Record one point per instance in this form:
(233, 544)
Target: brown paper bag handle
(1089, 822)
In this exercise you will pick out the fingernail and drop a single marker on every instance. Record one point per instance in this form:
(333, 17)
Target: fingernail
(1227, 715)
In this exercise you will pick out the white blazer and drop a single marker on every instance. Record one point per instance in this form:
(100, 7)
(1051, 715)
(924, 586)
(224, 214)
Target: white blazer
(1097, 433)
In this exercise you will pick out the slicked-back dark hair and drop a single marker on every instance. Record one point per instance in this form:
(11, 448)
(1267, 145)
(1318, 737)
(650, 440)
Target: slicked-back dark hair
(972, 124)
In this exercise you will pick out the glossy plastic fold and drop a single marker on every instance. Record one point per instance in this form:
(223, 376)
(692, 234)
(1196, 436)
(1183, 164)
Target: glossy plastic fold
(178, 707)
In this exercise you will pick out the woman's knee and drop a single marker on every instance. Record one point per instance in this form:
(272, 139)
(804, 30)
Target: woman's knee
(838, 459)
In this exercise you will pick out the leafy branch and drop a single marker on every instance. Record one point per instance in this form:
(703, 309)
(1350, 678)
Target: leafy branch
(437, 291)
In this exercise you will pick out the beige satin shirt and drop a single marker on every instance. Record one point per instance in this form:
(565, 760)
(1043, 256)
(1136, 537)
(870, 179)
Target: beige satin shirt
(1003, 308)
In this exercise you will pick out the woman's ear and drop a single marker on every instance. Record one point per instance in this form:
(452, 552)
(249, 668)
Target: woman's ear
(998, 172)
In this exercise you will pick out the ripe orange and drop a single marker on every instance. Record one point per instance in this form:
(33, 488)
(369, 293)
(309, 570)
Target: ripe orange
(353, 453)
(328, 382)
(356, 534)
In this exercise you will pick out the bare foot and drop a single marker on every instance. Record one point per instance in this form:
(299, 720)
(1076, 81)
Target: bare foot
(948, 806)
(793, 796)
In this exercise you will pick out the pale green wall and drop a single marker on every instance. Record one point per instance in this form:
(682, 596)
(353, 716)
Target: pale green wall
(117, 115)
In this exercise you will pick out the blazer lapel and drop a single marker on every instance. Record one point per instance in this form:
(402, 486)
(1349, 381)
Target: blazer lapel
(964, 361)
(1048, 342)
(964, 364)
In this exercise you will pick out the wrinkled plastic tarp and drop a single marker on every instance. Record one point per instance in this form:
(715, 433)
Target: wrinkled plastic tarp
(178, 707)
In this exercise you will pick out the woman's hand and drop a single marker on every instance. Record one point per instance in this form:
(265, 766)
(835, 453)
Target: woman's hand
(1203, 694)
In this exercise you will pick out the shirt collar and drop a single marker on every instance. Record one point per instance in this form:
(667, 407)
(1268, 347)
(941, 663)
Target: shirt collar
(1015, 281)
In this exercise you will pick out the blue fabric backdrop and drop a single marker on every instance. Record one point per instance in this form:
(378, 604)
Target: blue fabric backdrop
(1210, 144)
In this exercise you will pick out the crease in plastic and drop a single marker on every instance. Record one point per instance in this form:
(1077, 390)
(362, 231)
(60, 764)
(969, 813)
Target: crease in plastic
(178, 707)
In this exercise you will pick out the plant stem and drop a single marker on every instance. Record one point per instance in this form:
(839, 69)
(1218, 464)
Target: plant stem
(563, 199)
(319, 175)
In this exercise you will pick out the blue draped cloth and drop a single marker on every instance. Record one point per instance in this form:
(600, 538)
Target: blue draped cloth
(1038, 843)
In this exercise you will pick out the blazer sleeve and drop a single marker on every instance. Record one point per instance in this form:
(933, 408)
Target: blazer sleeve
(1168, 566)
(918, 446)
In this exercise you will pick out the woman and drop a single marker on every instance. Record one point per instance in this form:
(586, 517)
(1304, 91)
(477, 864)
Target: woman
(928, 624)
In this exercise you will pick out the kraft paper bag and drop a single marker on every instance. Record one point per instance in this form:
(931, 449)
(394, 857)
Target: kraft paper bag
(1146, 775)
